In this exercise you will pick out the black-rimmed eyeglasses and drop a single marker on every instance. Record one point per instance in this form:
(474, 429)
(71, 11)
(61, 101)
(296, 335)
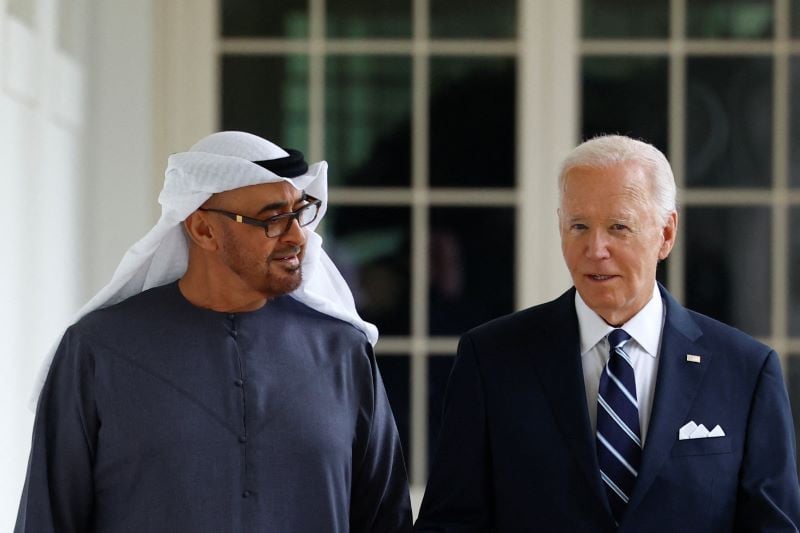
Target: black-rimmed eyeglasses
(279, 224)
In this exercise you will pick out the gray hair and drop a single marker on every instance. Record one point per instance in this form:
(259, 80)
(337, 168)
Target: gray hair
(609, 150)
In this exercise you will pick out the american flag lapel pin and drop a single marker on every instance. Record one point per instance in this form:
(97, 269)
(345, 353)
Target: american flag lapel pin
(691, 358)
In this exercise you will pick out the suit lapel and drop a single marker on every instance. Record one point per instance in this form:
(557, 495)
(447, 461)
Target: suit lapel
(560, 373)
(677, 384)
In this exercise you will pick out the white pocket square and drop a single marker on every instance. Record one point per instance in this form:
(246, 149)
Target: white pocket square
(691, 430)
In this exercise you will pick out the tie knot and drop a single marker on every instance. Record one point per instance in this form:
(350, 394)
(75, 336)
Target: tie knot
(617, 338)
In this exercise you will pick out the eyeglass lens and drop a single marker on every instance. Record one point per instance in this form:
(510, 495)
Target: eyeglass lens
(305, 216)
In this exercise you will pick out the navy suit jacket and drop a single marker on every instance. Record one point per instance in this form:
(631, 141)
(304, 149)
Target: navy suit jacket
(516, 450)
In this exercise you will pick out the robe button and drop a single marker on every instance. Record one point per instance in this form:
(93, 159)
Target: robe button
(233, 333)
(242, 439)
(238, 382)
(246, 494)
(231, 316)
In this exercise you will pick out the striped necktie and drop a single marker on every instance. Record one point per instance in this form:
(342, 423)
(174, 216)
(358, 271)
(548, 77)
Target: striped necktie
(619, 443)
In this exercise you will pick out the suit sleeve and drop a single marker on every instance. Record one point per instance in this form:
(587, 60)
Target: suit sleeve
(458, 496)
(379, 500)
(769, 495)
(58, 493)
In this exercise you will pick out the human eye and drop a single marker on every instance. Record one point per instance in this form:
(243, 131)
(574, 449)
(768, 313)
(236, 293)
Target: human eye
(275, 225)
(578, 226)
(266, 216)
(618, 226)
(274, 218)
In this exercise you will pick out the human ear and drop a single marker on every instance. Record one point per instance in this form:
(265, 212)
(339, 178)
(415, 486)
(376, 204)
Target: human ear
(201, 231)
(669, 233)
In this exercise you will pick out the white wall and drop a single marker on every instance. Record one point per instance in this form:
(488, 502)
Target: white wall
(41, 105)
(76, 170)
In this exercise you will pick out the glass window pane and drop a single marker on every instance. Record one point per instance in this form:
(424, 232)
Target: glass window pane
(619, 19)
(794, 272)
(472, 122)
(255, 18)
(626, 95)
(719, 19)
(368, 18)
(728, 265)
(368, 120)
(394, 370)
(794, 122)
(267, 96)
(729, 122)
(438, 373)
(471, 263)
(473, 19)
(371, 248)
(795, 18)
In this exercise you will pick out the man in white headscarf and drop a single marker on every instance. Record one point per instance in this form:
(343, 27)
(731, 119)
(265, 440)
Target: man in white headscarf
(223, 380)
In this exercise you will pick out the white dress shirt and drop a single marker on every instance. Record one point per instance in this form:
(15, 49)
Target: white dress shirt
(645, 329)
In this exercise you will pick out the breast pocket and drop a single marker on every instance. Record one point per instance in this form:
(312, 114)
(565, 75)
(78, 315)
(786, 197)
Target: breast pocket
(709, 446)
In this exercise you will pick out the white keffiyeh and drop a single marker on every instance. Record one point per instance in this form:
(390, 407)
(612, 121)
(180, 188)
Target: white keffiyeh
(221, 162)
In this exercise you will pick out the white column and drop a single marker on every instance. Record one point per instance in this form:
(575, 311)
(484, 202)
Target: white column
(186, 91)
(548, 117)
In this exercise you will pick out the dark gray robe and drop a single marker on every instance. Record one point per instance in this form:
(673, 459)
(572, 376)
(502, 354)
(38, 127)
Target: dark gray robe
(161, 416)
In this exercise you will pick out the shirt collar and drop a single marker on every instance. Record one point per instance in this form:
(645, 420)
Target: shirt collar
(644, 327)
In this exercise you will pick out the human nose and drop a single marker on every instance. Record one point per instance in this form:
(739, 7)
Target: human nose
(295, 234)
(597, 245)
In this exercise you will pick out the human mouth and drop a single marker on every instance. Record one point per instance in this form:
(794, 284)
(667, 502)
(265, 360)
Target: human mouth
(289, 259)
(600, 277)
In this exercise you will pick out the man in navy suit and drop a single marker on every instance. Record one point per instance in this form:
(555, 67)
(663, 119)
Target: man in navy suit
(682, 425)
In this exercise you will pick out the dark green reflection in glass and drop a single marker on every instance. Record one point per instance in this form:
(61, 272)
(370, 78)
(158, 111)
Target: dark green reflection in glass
(267, 96)
(371, 247)
(723, 19)
(460, 19)
(368, 120)
(620, 19)
(729, 122)
(728, 265)
(795, 18)
(257, 18)
(794, 122)
(472, 122)
(368, 18)
(793, 313)
(471, 264)
(626, 95)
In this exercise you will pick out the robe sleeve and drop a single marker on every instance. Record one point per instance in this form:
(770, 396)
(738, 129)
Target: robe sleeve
(379, 498)
(58, 493)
